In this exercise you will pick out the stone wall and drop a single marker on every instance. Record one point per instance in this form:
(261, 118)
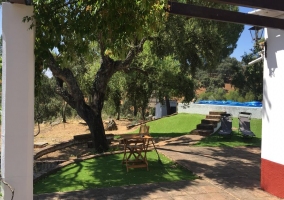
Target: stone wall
(205, 108)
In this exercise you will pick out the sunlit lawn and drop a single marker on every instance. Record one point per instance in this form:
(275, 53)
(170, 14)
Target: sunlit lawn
(108, 171)
(182, 124)
(174, 126)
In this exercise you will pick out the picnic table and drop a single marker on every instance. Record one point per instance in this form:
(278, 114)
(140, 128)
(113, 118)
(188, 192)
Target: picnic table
(135, 150)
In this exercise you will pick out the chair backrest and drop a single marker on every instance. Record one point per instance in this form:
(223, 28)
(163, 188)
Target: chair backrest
(144, 129)
(244, 123)
(244, 114)
(226, 122)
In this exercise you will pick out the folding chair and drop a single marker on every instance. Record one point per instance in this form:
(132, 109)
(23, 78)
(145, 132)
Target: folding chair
(135, 150)
(226, 125)
(244, 124)
(144, 130)
(137, 153)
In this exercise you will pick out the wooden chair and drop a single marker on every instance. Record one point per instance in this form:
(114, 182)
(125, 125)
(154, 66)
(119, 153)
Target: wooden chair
(135, 151)
(144, 130)
(135, 148)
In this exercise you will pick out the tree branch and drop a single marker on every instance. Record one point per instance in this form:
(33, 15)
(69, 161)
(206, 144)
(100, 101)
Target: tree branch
(74, 93)
(9, 186)
(38, 125)
(136, 69)
(131, 54)
(66, 96)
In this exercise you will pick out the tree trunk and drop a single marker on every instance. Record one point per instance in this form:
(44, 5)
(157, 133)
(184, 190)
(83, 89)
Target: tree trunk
(75, 98)
(95, 124)
(135, 110)
(143, 113)
(118, 115)
(168, 105)
(90, 99)
(64, 112)
(99, 88)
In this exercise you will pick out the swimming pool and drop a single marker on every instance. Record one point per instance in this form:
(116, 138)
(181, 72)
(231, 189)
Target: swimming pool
(231, 103)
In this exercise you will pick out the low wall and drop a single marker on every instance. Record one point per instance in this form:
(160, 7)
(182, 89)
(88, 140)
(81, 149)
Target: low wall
(205, 108)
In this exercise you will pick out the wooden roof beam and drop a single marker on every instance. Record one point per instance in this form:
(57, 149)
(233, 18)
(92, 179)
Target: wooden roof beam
(224, 15)
(261, 4)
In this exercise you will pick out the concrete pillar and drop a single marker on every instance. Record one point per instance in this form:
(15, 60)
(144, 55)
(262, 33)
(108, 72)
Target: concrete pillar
(17, 102)
(272, 148)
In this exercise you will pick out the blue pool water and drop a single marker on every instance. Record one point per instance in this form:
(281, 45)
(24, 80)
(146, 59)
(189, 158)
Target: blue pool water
(231, 103)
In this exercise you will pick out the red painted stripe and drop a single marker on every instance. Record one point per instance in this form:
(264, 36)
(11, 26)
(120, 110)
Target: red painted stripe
(272, 177)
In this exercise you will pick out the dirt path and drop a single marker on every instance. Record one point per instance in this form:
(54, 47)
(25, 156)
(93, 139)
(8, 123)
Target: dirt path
(65, 132)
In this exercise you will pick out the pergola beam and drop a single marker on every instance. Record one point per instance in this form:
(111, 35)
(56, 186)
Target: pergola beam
(262, 4)
(224, 15)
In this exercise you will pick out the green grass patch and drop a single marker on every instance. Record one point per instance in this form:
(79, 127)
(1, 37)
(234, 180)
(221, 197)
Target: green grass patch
(174, 126)
(237, 139)
(183, 123)
(108, 171)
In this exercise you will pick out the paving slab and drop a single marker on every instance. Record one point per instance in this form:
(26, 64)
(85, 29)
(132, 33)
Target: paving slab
(169, 190)
(234, 170)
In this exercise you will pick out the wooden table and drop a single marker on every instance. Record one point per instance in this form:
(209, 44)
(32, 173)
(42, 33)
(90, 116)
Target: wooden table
(135, 150)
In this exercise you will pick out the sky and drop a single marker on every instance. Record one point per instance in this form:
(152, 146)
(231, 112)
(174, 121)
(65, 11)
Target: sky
(244, 43)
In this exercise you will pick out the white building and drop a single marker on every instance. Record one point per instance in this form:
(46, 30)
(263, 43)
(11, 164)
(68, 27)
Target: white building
(272, 147)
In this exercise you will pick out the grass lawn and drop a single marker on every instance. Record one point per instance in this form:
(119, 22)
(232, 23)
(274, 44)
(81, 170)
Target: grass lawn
(236, 140)
(108, 171)
(174, 126)
(182, 124)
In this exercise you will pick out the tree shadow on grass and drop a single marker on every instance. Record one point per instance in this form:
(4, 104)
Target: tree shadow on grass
(108, 171)
(232, 168)
(170, 135)
(235, 140)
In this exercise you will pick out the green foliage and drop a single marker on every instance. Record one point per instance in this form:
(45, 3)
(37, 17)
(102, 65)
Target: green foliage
(213, 94)
(114, 94)
(48, 105)
(234, 96)
(139, 86)
(249, 78)
(150, 76)
(246, 80)
(198, 43)
(250, 96)
(115, 29)
(83, 66)
(106, 171)
(214, 79)
(215, 82)
(80, 30)
(70, 26)
(226, 68)
(170, 80)
(126, 108)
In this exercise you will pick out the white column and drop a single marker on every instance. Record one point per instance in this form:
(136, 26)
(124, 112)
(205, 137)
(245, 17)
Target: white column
(272, 148)
(17, 102)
